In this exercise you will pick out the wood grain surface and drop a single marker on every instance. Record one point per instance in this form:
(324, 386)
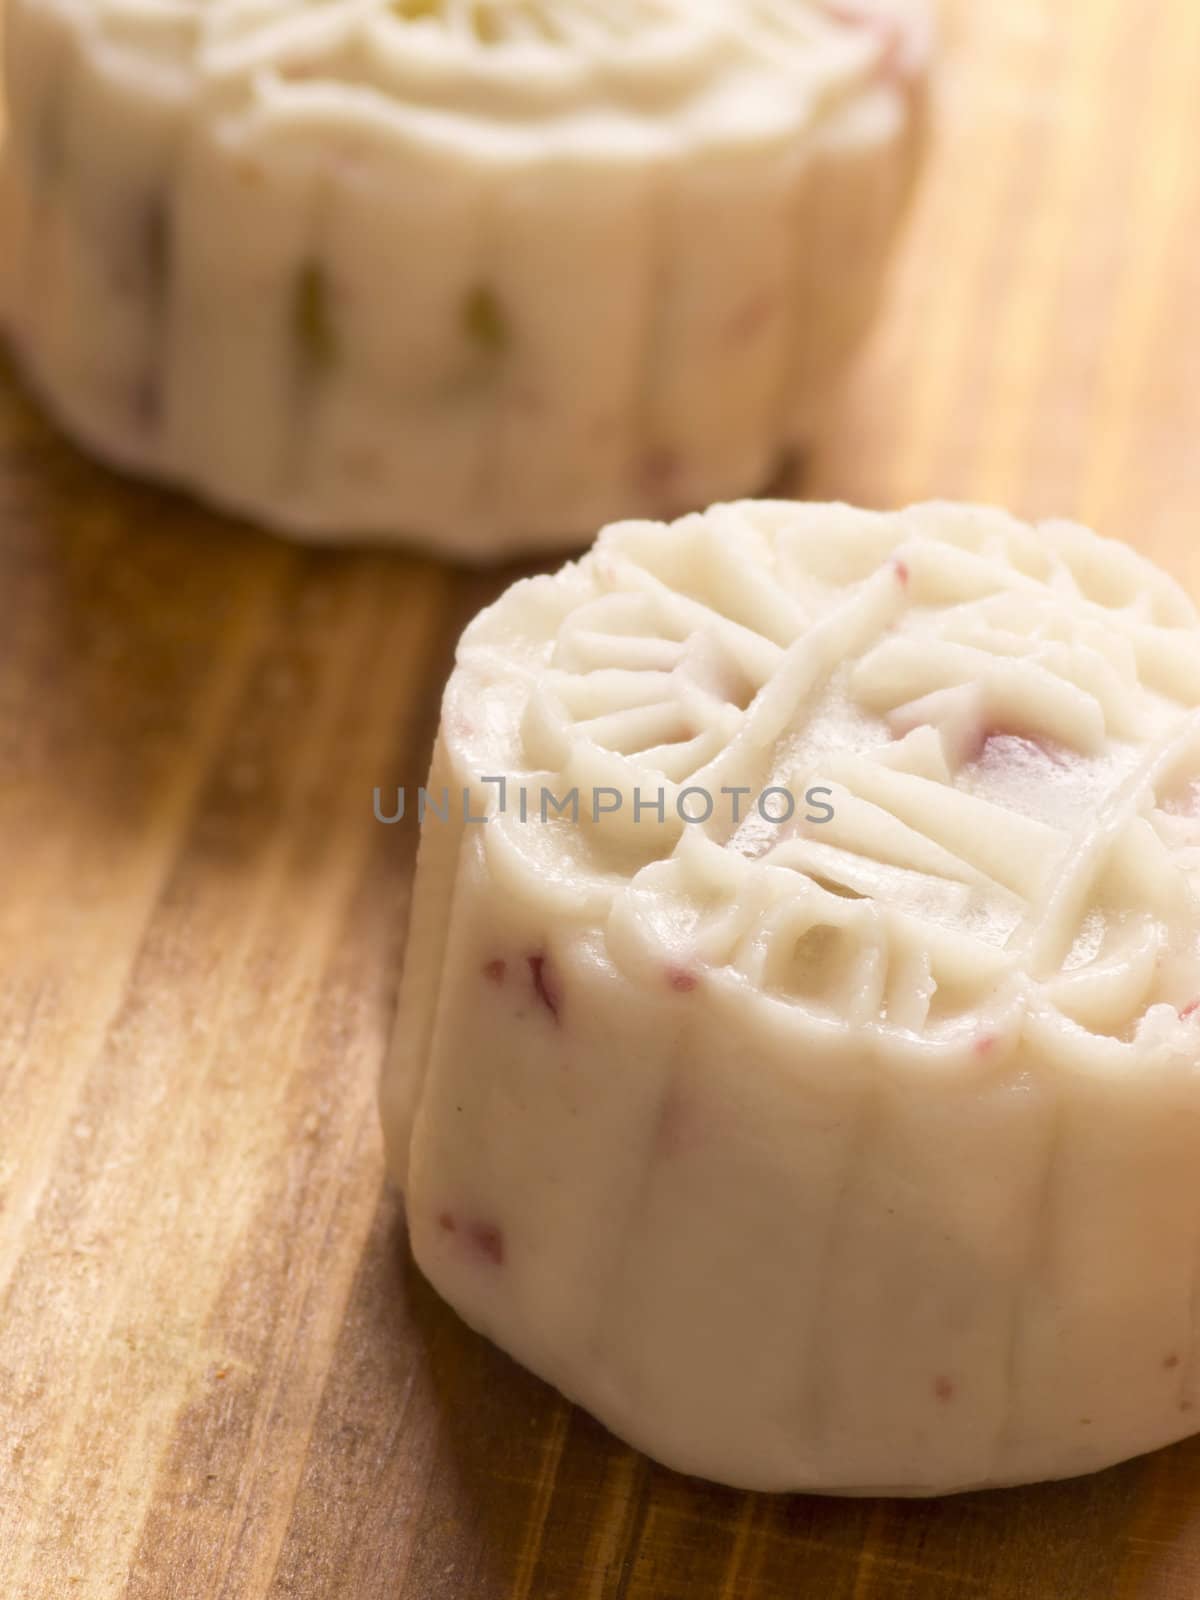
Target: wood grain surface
(220, 1376)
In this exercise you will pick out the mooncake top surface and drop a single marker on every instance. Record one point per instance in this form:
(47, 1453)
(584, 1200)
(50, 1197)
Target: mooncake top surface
(927, 777)
(655, 61)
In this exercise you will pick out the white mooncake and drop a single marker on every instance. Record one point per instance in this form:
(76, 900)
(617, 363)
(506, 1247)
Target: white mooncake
(844, 1136)
(480, 273)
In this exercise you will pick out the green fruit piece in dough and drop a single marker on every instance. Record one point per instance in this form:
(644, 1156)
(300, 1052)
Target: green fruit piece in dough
(485, 321)
(312, 318)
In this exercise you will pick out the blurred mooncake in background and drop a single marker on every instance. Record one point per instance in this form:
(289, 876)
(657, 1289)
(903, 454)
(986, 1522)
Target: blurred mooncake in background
(480, 274)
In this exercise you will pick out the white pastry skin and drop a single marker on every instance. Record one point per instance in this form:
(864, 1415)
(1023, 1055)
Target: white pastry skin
(859, 1153)
(482, 274)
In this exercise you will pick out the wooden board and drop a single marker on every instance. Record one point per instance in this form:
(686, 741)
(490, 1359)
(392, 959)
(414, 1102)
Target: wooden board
(220, 1376)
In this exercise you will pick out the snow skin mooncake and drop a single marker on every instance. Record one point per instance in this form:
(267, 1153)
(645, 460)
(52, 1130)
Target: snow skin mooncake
(851, 1144)
(481, 273)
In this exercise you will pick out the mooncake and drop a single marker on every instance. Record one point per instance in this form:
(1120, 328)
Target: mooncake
(479, 274)
(798, 1057)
